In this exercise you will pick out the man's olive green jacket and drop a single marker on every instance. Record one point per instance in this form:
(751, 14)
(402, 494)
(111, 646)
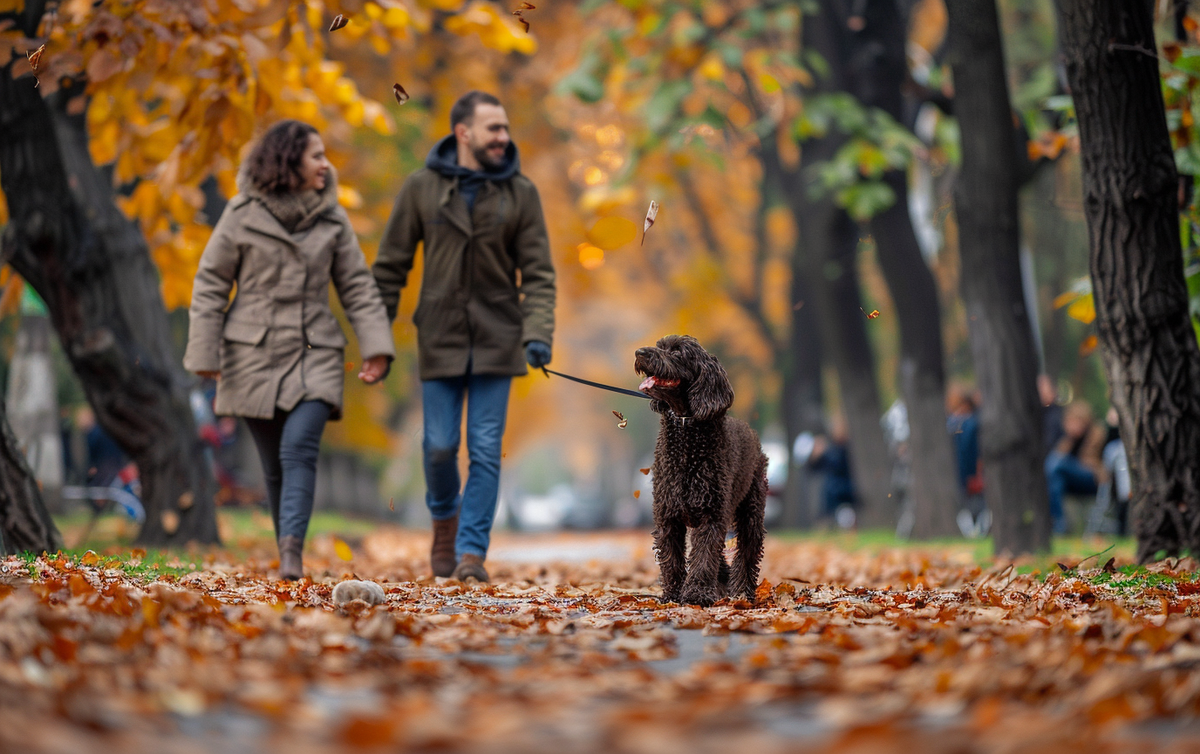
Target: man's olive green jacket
(487, 285)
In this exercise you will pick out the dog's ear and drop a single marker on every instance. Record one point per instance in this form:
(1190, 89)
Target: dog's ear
(710, 395)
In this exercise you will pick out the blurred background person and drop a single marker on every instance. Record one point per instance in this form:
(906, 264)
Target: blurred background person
(1074, 465)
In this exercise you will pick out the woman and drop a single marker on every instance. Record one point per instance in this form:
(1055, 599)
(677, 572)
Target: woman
(277, 350)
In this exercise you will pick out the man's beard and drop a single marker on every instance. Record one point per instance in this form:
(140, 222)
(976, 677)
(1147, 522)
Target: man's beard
(486, 160)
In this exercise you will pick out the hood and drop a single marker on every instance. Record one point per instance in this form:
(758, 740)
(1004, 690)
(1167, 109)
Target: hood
(443, 159)
(296, 211)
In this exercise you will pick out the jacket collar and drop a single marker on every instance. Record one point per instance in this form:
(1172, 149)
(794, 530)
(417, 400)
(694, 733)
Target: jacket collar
(455, 212)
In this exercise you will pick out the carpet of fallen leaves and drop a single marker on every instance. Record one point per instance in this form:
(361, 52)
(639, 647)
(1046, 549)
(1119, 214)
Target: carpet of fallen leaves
(570, 650)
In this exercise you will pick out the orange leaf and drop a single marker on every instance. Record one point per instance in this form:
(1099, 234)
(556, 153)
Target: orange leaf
(1087, 346)
(645, 470)
(637, 493)
(35, 57)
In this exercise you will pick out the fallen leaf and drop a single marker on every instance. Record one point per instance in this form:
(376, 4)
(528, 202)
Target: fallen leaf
(339, 21)
(1109, 566)
(342, 549)
(401, 95)
(651, 215)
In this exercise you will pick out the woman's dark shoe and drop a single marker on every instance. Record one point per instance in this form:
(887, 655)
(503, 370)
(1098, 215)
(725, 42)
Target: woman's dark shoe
(291, 564)
(441, 554)
(470, 567)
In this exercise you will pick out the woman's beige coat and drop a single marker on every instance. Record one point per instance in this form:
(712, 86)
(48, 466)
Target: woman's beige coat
(280, 319)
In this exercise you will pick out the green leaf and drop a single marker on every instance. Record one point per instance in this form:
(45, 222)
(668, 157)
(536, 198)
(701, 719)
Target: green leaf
(661, 109)
(1187, 159)
(586, 82)
(865, 200)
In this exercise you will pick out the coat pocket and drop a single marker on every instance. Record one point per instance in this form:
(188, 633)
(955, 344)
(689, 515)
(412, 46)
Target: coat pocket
(244, 332)
(325, 333)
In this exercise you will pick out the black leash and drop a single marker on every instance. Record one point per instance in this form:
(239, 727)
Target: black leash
(596, 384)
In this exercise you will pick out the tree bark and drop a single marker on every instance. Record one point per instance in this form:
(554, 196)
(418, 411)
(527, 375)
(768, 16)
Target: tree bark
(92, 267)
(880, 71)
(803, 397)
(829, 239)
(999, 328)
(25, 524)
(1131, 203)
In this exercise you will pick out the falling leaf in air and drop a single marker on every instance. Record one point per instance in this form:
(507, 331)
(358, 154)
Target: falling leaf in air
(622, 422)
(349, 366)
(645, 470)
(170, 522)
(401, 95)
(524, 24)
(342, 549)
(651, 214)
(392, 504)
(528, 6)
(186, 500)
(637, 493)
(799, 305)
(35, 57)
(1088, 345)
(874, 313)
(338, 22)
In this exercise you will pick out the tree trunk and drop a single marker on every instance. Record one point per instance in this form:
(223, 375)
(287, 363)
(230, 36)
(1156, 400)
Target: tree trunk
(32, 402)
(803, 397)
(998, 322)
(91, 266)
(879, 75)
(25, 524)
(1130, 199)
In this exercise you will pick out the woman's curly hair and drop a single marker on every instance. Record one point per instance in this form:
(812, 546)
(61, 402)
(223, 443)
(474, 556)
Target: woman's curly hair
(274, 163)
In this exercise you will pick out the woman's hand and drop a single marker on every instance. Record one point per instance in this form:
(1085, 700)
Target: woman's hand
(375, 369)
(210, 375)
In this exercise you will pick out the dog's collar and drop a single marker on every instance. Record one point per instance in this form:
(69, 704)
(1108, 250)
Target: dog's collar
(683, 421)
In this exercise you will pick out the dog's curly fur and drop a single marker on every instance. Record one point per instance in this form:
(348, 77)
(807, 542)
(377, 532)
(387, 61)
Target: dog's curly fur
(709, 472)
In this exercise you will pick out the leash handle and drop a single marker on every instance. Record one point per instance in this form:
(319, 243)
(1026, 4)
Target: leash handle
(589, 383)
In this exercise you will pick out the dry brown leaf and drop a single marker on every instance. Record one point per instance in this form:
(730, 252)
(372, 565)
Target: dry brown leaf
(651, 216)
(401, 95)
(339, 21)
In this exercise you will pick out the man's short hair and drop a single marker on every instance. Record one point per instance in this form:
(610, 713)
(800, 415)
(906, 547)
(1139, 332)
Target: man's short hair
(464, 110)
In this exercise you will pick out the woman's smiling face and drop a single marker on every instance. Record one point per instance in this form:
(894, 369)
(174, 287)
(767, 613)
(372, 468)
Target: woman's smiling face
(314, 167)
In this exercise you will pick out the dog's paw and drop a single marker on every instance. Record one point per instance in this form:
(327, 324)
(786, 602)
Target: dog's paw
(701, 596)
(672, 596)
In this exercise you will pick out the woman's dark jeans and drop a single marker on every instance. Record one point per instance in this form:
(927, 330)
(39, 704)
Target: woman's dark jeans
(287, 446)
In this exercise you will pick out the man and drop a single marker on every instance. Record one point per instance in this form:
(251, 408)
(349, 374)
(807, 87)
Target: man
(486, 308)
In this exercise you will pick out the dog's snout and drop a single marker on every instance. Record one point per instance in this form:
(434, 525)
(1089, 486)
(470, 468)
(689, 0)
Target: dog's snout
(642, 353)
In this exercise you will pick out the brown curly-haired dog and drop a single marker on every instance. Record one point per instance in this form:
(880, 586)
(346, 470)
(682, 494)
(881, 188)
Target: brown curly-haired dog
(709, 472)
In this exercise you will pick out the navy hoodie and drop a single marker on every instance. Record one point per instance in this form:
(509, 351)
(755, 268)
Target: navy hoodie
(443, 159)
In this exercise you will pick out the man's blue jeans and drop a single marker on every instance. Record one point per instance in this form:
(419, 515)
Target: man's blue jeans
(1066, 475)
(487, 408)
(287, 446)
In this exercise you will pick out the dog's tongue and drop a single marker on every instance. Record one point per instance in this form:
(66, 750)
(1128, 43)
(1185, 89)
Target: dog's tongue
(648, 383)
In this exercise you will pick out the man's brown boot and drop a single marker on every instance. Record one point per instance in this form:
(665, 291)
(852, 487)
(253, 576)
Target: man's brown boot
(441, 554)
(291, 564)
(470, 567)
